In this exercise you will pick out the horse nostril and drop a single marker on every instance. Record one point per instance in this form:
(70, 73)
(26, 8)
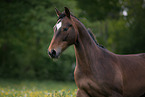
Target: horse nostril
(53, 52)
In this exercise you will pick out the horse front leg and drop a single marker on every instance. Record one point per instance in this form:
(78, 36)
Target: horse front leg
(81, 93)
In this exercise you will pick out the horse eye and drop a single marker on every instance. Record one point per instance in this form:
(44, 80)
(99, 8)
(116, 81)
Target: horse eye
(65, 29)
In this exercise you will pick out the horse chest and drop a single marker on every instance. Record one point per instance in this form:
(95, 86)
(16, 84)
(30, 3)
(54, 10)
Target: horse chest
(87, 83)
(90, 84)
(82, 80)
(92, 89)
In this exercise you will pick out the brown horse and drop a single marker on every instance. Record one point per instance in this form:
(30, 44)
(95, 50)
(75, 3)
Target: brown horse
(98, 72)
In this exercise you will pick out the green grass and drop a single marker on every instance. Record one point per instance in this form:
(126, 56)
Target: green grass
(27, 88)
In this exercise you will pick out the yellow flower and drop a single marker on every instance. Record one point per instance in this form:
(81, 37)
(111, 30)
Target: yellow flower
(6, 93)
(2, 94)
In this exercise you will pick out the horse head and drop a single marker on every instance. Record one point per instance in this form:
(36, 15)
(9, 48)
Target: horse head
(65, 33)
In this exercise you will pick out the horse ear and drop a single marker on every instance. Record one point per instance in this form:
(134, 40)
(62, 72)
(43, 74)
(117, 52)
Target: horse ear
(67, 12)
(57, 12)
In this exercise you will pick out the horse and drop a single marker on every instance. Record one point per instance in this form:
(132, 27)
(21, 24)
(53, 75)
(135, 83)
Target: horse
(98, 72)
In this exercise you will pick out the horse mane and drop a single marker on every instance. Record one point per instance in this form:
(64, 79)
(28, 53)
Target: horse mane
(88, 30)
(93, 37)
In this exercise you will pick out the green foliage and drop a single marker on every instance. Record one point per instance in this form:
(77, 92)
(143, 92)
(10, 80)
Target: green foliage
(118, 33)
(136, 22)
(99, 9)
(26, 29)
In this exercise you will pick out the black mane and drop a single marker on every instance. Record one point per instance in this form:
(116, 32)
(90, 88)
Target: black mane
(93, 37)
(61, 16)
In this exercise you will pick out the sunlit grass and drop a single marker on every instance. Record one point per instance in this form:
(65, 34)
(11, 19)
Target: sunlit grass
(15, 88)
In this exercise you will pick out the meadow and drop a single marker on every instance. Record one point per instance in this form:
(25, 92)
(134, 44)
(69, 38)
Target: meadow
(35, 88)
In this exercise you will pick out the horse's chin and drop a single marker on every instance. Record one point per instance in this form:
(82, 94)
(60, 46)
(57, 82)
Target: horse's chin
(56, 56)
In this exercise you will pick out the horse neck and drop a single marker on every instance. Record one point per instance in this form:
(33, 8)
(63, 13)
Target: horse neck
(85, 48)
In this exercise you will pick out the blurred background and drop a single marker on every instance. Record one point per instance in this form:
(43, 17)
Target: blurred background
(26, 29)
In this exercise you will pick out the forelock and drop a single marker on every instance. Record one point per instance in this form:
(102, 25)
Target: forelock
(61, 16)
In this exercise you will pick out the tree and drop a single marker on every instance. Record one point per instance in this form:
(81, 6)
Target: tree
(25, 34)
(99, 9)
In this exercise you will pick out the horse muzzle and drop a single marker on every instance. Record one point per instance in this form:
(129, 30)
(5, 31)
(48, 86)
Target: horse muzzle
(54, 53)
